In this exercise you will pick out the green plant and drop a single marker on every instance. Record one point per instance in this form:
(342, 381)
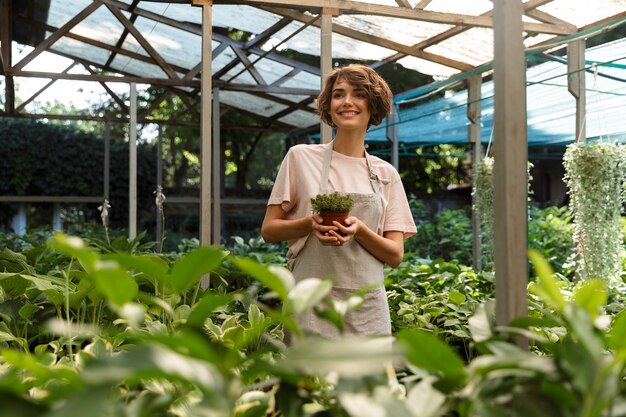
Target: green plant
(483, 205)
(332, 202)
(595, 174)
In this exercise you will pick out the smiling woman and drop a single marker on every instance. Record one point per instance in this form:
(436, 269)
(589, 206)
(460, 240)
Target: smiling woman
(353, 252)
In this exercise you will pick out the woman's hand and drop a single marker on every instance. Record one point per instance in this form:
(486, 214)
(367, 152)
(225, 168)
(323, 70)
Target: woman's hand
(336, 235)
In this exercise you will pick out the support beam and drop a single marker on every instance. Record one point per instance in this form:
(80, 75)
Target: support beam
(357, 7)
(62, 31)
(326, 61)
(205, 129)
(132, 163)
(474, 108)
(217, 172)
(392, 135)
(159, 182)
(107, 160)
(6, 41)
(510, 154)
(576, 84)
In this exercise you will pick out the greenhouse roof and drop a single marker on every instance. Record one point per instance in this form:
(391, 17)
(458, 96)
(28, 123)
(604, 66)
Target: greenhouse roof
(551, 109)
(159, 42)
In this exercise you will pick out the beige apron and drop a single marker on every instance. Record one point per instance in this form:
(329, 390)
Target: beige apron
(350, 266)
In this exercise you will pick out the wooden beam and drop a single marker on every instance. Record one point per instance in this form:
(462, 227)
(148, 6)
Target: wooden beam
(42, 89)
(404, 3)
(422, 4)
(382, 42)
(132, 163)
(510, 160)
(347, 6)
(6, 54)
(217, 171)
(124, 120)
(528, 7)
(108, 78)
(474, 115)
(120, 41)
(326, 62)
(111, 93)
(205, 129)
(243, 57)
(143, 42)
(266, 89)
(576, 84)
(45, 44)
(93, 42)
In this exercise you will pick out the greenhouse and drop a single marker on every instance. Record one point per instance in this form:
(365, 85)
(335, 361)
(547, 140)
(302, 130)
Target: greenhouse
(139, 274)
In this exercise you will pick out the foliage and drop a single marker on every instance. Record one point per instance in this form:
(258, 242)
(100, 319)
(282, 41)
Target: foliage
(483, 205)
(119, 330)
(595, 174)
(445, 234)
(438, 297)
(332, 202)
(46, 159)
(550, 231)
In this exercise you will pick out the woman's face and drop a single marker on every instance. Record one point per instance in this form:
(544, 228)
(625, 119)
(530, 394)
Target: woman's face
(349, 106)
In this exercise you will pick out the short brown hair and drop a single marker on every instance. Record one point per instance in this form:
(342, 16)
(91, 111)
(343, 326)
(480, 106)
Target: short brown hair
(378, 93)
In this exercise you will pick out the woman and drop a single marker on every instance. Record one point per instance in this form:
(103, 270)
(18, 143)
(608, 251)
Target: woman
(352, 254)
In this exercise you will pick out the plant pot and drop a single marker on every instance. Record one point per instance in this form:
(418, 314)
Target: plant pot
(329, 217)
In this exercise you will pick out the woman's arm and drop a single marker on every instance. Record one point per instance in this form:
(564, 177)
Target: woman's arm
(276, 227)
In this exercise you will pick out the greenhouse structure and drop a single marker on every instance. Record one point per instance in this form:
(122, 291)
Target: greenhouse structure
(505, 307)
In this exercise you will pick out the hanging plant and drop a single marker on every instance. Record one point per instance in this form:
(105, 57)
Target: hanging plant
(594, 174)
(483, 205)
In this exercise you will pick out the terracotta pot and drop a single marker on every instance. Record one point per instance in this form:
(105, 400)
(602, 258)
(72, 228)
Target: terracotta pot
(329, 216)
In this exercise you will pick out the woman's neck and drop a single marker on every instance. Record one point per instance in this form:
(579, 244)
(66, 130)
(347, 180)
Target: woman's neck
(350, 144)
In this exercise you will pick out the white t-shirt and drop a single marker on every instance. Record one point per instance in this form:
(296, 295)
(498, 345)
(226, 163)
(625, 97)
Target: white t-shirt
(298, 181)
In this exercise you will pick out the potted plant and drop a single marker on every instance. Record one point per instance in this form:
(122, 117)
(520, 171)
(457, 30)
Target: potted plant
(332, 207)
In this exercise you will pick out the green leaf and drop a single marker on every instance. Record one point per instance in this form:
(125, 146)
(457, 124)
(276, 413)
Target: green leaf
(189, 270)
(116, 285)
(546, 286)
(151, 265)
(152, 361)
(456, 297)
(426, 351)
(277, 282)
(28, 310)
(617, 335)
(205, 307)
(591, 295)
(17, 406)
(75, 247)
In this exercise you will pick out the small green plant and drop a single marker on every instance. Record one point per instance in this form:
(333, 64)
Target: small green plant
(332, 202)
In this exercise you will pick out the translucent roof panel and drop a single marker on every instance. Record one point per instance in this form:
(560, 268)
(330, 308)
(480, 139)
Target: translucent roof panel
(433, 45)
(300, 118)
(249, 102)
(551, 110)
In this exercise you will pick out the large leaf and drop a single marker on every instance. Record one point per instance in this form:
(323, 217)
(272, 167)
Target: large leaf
(189, 270)
(116, 284)
(591, 295)
(75, 247)
(206, 306)
(151, 265)
(546, 286)
(152, 361)
(307, 294)
(426, 351)
(349, 357)
(278, 280)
